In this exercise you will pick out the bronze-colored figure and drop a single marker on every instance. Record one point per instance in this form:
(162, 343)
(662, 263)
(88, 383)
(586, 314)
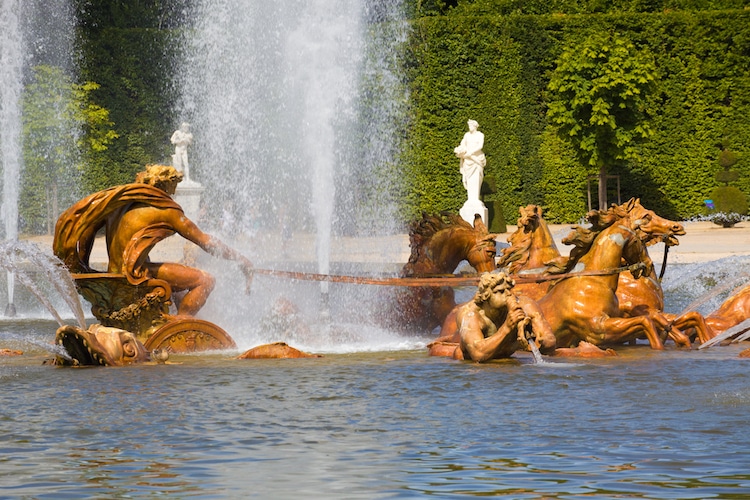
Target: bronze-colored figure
(496, 323)
(582, 297)
(438, 245)
(533, 249)
(135, 292)
(276, 350)
(583, 306)
(99, 346)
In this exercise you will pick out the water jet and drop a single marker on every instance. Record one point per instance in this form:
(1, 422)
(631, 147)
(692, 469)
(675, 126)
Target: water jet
(292, 110)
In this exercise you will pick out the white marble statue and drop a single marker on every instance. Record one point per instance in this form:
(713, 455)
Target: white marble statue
(472, 172)
(181, 139)
(472, 160)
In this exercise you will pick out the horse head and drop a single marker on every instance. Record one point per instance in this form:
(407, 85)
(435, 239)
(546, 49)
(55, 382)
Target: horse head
(532, 245)
(640, 228)
(530, 217)
(616, 231)
(635, 253)
(439, 244)
(652, 228)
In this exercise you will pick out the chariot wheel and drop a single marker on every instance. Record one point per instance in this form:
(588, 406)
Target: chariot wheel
(189, 335)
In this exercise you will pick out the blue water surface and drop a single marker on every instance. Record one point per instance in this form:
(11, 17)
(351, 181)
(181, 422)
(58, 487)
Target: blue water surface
(645, 424)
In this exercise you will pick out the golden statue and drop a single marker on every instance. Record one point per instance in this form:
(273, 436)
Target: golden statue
(134, 293)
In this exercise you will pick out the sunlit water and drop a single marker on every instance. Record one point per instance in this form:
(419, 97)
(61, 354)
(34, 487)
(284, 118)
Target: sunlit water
(383, 424)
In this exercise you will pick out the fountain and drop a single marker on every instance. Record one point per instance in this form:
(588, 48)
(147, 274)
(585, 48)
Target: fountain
(291, 106)
(36, 268)
(31, 33)
(369, 424)
(11, 86)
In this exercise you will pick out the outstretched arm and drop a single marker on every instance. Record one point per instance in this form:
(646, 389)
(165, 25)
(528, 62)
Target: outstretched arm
(210, 244)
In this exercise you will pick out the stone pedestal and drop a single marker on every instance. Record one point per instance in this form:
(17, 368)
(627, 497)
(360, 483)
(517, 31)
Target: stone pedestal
(472, 207)
(188, 195)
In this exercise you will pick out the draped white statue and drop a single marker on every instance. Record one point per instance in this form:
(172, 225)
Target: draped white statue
(181, 139)
(473, 162)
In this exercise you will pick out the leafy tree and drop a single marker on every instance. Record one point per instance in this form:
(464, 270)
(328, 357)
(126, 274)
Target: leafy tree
(63, 130)
(597, 100)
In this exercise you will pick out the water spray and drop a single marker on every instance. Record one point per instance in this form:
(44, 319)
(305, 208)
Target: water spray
(10, 309)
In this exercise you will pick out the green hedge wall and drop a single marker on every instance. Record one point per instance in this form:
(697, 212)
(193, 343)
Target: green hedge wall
(132, 65)
(127, 48)
(495, 70)
(488, 60)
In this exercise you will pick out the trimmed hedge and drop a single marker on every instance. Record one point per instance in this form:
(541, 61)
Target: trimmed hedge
(488, 60)
(132, 67)
(495, 69)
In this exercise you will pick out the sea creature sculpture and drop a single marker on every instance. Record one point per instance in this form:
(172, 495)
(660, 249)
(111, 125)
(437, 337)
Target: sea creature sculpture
(276, 350)
(99, 346)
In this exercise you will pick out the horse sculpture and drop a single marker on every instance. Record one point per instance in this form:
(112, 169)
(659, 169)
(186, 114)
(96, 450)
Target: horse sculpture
(645, 296)
(583, 306)
(734, 311)
(636, 297)
(532, 249)
(438, 245)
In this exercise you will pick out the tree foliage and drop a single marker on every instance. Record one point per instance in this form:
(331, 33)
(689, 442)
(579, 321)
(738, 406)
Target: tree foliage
(490, 60)
(127, 48)
(64, 131)
(597, 100)
(498, 68)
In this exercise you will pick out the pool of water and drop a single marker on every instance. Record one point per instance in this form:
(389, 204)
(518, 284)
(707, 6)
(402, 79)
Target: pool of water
(393, 424)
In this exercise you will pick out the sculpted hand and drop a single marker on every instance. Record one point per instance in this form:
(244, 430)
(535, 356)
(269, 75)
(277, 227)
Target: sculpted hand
(522, 338)
(515, 313)
(517, 319)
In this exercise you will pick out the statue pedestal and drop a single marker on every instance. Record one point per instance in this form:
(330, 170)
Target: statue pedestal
(188, 195)
(472, 207)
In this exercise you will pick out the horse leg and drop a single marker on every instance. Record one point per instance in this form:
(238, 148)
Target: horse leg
(621, 330)
(693, 319)
(672, 328)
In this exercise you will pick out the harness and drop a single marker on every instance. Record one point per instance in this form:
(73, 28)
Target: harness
(438, 279)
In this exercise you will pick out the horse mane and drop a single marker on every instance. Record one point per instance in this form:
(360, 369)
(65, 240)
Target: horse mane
(582, 238)
(423, 230)
(517, 254)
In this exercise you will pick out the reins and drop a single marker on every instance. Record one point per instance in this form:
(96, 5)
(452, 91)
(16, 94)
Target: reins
(436, 280)
(539, 278)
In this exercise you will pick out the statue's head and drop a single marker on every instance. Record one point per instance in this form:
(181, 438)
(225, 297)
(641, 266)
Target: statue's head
(185, 127)
(163, 177)
(490, 283)
(473, 125)
(99, 346)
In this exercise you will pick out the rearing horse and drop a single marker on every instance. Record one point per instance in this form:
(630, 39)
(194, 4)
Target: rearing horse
(438, 245)
(532, 249)
(645, 296)
(585, 307)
